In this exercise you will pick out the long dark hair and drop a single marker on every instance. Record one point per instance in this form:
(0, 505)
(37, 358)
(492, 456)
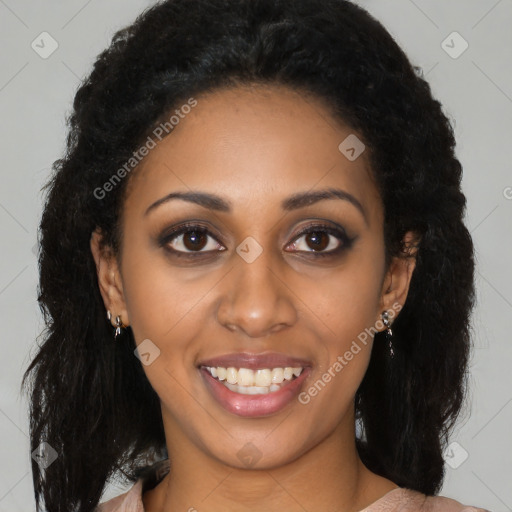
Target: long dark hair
(90, 399)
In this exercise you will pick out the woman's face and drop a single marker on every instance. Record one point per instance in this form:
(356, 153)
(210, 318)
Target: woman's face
(243, 286)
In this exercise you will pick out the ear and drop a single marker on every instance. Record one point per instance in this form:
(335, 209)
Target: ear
(109, 278)
(398, 278)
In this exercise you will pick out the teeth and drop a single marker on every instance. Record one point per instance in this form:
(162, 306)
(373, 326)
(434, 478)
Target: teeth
(262, 377)
(245, 377)
(253, 382)
(250, 390)
(277, 375)
(231, 375)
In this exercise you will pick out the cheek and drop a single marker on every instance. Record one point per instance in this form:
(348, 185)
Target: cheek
(348, 300)
(161, 309)
(166, 310)
(348, 308)
(168, 306)
(348, 311)
(158, 296)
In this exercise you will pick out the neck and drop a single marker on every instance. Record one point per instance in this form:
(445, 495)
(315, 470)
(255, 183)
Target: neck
(329, 476)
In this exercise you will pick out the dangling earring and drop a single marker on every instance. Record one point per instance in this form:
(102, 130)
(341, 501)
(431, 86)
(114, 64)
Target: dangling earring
(119, 324)
(389, 332)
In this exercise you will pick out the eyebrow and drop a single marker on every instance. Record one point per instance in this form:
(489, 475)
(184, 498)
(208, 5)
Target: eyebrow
(294, 202)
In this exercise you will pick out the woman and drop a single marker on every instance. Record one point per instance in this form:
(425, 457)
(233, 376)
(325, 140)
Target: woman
(254, 270)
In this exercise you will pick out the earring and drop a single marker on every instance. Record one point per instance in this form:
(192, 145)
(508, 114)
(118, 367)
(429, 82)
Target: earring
(389, 332)
(119, 324)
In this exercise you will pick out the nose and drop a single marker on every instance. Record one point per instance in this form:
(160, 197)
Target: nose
(256, 299)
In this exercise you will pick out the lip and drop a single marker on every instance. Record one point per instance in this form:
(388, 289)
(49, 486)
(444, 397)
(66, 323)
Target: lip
(255, 361)
(252, 406)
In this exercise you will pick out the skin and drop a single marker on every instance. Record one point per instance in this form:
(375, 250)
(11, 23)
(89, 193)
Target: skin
(254, 147)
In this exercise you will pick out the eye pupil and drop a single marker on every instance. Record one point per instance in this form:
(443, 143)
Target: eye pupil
(198, 240)
(316, 238)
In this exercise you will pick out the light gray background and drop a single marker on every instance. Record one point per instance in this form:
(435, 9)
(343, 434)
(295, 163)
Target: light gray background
(476, 91)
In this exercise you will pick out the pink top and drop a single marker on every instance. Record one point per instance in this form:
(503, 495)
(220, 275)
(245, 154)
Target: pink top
(397, 500)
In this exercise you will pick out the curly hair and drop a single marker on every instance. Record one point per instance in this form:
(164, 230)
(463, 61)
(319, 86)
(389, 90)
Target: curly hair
(90, 399)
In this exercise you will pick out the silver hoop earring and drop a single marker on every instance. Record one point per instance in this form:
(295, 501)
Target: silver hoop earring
(389, 332)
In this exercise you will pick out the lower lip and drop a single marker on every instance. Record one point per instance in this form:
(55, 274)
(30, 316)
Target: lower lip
(251, 406)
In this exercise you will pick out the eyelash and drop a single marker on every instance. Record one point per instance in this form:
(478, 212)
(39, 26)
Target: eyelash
(345, 241)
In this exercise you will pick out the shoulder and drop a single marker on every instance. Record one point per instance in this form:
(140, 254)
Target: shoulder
(130, 501)
(408, 500)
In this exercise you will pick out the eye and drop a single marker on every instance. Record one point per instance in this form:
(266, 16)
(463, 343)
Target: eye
(189, 239)
(322, 240)
(193, 239)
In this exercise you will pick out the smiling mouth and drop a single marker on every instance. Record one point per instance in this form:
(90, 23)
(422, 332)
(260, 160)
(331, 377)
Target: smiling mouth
(246, 381)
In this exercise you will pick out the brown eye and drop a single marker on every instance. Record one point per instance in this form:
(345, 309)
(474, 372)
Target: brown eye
(194, 240)
(322, 240)
(317, 240)
(190, 239)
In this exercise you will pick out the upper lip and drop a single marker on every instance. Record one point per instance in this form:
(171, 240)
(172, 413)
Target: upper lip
(255, 361)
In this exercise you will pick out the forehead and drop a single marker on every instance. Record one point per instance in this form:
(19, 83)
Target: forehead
(254, 145)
